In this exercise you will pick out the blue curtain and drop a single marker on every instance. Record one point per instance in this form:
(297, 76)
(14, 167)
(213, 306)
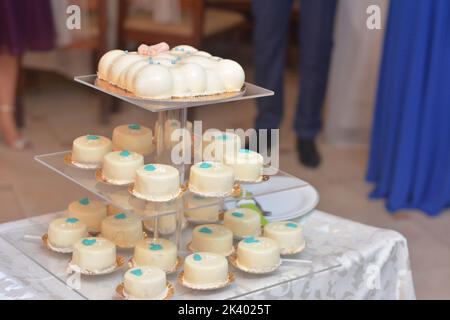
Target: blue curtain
(410, 148)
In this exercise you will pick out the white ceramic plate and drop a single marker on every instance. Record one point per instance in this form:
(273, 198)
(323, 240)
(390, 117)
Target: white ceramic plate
(289, 204)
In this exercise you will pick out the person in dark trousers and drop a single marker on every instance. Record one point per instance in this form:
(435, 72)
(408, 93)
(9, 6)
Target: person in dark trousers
(270, 42)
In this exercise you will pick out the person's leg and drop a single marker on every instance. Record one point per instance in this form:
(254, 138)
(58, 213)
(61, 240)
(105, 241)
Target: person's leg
(316, 41)
(9, 70)
(270, 35)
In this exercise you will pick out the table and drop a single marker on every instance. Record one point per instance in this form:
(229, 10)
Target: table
(368, 263)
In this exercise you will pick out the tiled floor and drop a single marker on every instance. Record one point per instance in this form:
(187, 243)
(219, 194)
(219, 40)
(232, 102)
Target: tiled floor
(59, 111)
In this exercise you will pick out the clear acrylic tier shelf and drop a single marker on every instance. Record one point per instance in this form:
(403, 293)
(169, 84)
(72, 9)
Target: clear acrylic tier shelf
(251, 91)
(313, 261)
(283, 196)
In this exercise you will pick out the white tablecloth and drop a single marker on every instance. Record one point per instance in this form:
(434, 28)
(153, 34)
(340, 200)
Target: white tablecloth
(372, 263)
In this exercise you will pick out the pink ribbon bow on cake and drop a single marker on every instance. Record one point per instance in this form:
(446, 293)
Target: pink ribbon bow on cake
(146, 50)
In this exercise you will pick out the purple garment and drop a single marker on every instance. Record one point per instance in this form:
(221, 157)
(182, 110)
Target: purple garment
(26, 25)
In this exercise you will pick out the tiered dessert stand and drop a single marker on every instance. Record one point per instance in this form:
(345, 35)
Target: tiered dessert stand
(282, 197)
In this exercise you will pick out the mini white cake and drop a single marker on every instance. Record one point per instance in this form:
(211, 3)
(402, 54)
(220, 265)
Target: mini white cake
(119, 167)
(166, 224)
(91, 213)
(211, 179)
(205, 270)
(90, 150)
(133, 138)
(258, 254)
(63, 233)
(124, 229)
(201, 209)
(243, 222)
(217, 145)
(157, 182)
(159, 253)
(94, 254)
(145, 283)
(247, 165)
(212, 238)
(287, 234)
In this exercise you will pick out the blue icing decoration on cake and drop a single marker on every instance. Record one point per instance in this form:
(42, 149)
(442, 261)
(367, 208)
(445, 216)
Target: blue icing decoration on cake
(197, 257)
(251, 240)
(89, 242)
(237, 214)
(291, 225)
(150, 168)
(155, 247)
(245, 151)
(120, 216)
(72, 220)
(134, 127)
(92, 138)
(85, 201)
(125, 153)
(205, 165)
(205, 230)
(137, 272)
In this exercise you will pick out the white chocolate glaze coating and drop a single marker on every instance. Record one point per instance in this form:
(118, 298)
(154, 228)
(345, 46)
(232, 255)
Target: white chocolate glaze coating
(212, 238)
(94, 254)
(243, 222)
(146, 283)
(287, 234)
(258, 253)
(134, 138)
(65, 232)
(205, 269)
(124, 229)
(157, 182)
(211, 179)
(119, 167)
(159, 253)
(89, 212)
(90, 149)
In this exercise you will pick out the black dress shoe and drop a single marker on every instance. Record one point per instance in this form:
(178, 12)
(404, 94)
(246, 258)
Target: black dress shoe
(307, 152)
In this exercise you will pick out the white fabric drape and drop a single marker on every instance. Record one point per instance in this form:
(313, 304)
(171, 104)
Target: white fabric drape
(354, 73)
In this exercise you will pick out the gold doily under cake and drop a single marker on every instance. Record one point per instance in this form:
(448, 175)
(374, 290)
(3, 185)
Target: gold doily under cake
(154, 199)
(101, 178)
(235, 192)
(86, 166)
(120, 261)
(49, 246)
(201, 98)
(235, 263)
(120, 289)
(215, 286)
